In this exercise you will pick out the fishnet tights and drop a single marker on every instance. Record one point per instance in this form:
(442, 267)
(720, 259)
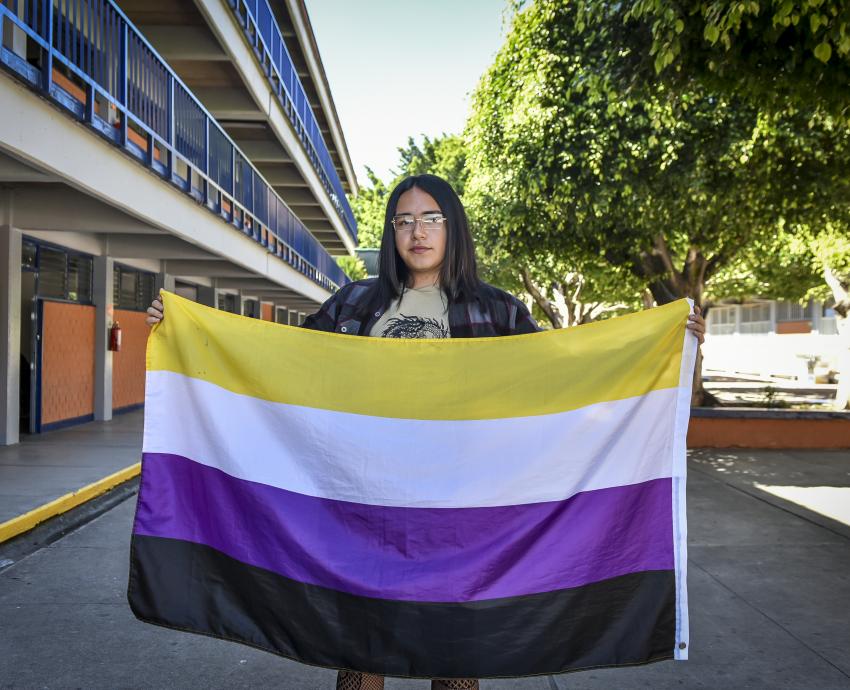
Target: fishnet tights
(353, 680)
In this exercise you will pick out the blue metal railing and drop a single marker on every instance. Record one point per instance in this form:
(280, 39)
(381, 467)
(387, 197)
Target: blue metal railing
(86, 56)
(258, 23)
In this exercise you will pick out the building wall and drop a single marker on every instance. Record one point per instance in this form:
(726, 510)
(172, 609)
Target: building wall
(67, 360)
(128, 365)
(267, 311)
(770, 338)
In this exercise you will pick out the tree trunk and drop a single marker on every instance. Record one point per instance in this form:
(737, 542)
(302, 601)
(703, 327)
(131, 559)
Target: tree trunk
(540, 299)
(667, 284)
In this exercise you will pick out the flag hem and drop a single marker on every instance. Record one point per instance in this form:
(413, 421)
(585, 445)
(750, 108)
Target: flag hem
(679, 484)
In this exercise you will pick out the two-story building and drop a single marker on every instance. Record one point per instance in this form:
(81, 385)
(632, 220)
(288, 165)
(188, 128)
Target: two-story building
(191, 145)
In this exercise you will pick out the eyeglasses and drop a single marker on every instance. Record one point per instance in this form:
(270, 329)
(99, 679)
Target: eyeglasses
(407, 221)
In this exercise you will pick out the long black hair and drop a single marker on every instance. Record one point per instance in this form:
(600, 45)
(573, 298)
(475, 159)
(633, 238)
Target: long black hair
(459, 271)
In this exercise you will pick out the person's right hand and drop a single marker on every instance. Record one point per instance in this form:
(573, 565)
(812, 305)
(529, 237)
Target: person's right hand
(156, 312)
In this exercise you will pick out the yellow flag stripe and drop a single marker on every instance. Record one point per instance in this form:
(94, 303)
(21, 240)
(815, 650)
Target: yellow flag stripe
(464, 378)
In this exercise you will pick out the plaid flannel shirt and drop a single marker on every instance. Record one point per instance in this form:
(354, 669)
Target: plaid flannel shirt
(494, 313)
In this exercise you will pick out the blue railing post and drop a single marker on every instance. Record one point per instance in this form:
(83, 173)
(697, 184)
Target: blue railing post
(47, 61)
(232, 183)
(206, 159)
(122, 77)
(169, 116)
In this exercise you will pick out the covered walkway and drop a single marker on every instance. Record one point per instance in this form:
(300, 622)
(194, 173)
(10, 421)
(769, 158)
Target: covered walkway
(44, 467)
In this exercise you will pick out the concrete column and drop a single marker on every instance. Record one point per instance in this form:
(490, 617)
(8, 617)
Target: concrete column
(10, 323)
(773, 316)
(164, 281)
(104, 303)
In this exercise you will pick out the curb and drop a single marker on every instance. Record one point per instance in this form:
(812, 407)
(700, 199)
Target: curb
(53, 529)
(24, 523)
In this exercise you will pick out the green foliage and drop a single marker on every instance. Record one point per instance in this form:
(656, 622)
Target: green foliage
(790, 265)
(667, 184)
(778, 52)
(353, 266)
(444, 156)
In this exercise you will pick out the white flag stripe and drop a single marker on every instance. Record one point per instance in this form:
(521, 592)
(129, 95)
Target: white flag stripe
(440, 464)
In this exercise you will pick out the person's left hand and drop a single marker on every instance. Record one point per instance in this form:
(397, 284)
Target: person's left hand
(696, 325)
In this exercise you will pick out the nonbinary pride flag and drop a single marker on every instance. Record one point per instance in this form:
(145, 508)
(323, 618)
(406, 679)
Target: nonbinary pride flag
(437, 508)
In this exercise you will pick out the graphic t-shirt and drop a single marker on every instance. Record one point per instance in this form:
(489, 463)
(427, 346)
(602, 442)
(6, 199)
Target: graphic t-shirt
(418, 313)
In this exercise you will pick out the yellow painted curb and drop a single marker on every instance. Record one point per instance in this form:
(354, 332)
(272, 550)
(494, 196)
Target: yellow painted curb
(23, 523)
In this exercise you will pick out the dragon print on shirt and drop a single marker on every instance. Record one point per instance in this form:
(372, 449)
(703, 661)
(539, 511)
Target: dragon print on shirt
(402, 326)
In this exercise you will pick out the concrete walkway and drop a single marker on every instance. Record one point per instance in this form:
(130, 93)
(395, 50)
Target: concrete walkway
(43, 467)
(769, 590)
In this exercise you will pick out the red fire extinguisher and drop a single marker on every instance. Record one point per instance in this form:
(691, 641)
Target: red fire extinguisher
(115, 337)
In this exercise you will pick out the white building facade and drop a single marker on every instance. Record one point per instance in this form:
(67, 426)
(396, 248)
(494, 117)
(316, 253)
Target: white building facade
(772, 338)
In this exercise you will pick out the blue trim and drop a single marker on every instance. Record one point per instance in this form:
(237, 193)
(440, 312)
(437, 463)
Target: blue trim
(64, 423)
(270, 50)
(39, 329)
(148, 96)
(128, 408)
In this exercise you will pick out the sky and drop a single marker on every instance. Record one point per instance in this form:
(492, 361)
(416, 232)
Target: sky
(400, 68)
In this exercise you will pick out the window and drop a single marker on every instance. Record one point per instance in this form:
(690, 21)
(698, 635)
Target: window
(132, 289)
(186, 290)
(29, 255)
(125, 296)
(252, 308)
(52, 265)
(755, 318)
(227, 302)
(721, 320)
(79, 278)
(61, 274)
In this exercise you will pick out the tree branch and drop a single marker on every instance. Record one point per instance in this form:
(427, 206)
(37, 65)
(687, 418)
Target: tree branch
(540, 299)
(840, 291)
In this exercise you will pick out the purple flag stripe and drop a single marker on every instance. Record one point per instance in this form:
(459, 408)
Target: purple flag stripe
(412, 554)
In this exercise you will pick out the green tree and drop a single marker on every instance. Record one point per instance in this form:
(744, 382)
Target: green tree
(353, 266)
(779, 53)
(369, 207)
(569, 159)
(444, 156)
(784, 56)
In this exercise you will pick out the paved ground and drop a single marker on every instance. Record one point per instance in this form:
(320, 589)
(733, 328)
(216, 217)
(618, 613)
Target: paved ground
(769, 589)
(735, 390)
(46, 466)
